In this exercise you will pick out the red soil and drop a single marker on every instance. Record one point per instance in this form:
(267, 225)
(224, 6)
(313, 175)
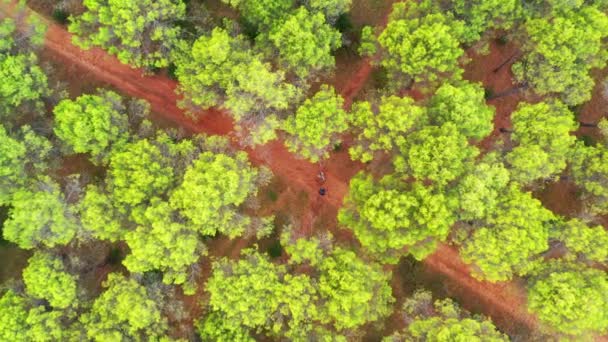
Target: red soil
(503, 301)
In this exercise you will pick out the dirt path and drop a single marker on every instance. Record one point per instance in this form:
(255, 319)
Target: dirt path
(504, 302)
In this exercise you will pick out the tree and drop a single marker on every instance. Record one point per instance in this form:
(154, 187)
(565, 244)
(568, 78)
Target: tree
(23, 81)
(165, 244)
(443, 320)
(214, 186)
(589, 243)
(254, 293)
(92, 124)
(215, 327)
(590, 172)
(479, 191)
(304, 43)
(315, 127)
(383, 126)
(12, 165)
(465, 106)
(439, 154)
(570, 299)
(508, 239)
(45, 277)
(140, 33)
(99, 215)
(48, 326)
(392, 215)
(39, 216)
(13, 315)
(332, 9)
(220, 70)
(560, 51)
(542, 133)
(123, 311)
(139, 172)
(262, 13)
(353, 292)
(419, 47)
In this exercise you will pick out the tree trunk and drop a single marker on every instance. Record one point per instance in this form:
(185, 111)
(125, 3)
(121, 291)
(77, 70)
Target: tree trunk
(505, 130)
(587, 124)
(508, 92)
(514, 56)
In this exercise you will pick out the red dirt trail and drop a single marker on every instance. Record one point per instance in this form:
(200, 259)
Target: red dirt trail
(504, 302)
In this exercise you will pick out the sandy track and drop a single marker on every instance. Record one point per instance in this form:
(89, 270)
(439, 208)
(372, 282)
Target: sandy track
(504, 302)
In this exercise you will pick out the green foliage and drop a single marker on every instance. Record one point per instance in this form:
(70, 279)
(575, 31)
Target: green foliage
(389, 216)
(509, 238)
(253, 292)
(354, 291)
(419, 48)
(385, 126)
(217, 328)
(262, 13)
(367, 47)
(315, 127)
(140, 33)
(13, 315)
(303, 250)
(39, 216)
(99, 216)
(12, 165)
(221, 70)
(122, 312)
(443, 321)
(571, 300)
(465, 106)
(481, 15)
(542, 132)
(560, 52)
(161, 243)
(92, 124)
(589, 242)
(23, 82)
(304, 42)
(46, 277)
(480, 190)
(439, 154)
(332, 9)
(214, 186)
(48, 326)
(139, 172)
(590, 172)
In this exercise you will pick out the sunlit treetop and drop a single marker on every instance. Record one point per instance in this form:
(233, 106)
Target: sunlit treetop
(589, 169)
(45, 277)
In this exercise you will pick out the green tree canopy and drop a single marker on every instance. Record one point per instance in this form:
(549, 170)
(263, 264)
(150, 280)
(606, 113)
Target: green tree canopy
(13, 316)
(140, 33)
(561, 50)
(439, 154)
(383, 126)
(316, 125)
(508, 239)
(12, 165)
(92, 123)
(215, 327)
(590, 243)
(304, 42)
(221, 70)
(139, 172)
(590, 172)
(542, 134)
(390, 216)
(262, 13)
(45, 277)
(39, 216)
(332, 9)
(99, 215)
(124, 311)
(353, 291)
(419, 47)
(162, 243)
(465, 106)
(479, 191)
(443, 320)
(570, 299)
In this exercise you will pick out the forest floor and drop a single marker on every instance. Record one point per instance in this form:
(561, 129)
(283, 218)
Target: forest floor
(504, 302)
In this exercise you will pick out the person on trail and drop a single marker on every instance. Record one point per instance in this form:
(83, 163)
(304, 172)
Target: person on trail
(321, 177)
(322, 191)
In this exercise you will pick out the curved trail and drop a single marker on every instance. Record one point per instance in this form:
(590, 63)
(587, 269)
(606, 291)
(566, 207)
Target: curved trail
(504, 302)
